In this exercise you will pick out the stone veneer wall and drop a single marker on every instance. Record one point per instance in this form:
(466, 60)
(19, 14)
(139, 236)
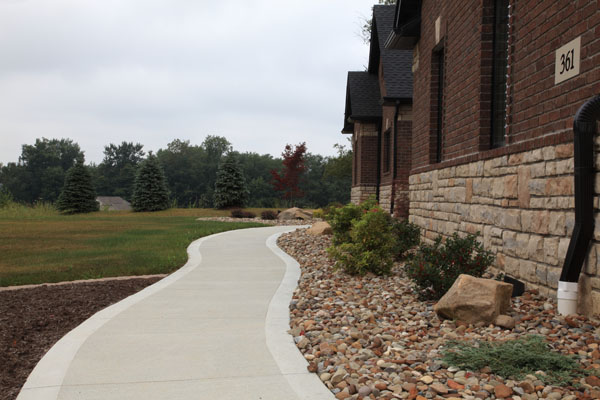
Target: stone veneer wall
(523, 206)
(385, 197)
(358, 194)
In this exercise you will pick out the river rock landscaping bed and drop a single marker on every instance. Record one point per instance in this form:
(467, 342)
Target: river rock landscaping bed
(261, 221)
(371, 338)
(34, 318)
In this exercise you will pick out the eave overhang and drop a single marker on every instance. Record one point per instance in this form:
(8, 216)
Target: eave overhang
(407, 25)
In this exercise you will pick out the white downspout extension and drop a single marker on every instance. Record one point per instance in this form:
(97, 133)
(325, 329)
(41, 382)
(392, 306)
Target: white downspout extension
(567, 298)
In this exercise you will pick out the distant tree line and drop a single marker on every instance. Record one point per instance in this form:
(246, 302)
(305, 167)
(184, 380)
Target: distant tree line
(190, 172)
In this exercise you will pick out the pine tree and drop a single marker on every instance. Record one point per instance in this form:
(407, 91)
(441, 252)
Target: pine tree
(78, 194)
(230, 186)
(150, 191)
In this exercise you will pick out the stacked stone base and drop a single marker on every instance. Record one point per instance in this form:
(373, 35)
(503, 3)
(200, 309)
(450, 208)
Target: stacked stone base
(385, 197)
(358, 194)
(522, 205)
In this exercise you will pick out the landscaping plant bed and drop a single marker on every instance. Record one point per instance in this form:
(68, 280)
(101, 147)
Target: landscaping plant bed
(33, 319)
(371, 337)
(262, 221)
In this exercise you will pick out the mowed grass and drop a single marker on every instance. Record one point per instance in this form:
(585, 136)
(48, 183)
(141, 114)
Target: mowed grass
(38, 245)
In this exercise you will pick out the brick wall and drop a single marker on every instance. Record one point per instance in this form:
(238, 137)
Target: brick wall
(403, 163)
(364, 171)
(393, 189)
(536, 107)
(520, 196)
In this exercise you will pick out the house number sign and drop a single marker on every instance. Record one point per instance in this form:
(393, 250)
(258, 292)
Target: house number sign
(568, 59)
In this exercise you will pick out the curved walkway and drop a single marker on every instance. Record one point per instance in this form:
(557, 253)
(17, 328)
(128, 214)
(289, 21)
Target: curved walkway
(215, 329)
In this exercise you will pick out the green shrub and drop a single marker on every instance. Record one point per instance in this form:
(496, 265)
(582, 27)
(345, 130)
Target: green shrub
(268, 214)
(342, 218)
(371, 244)
(434, 268)
(515, 359)
(318, 213)
(408, 235)
(242, 214)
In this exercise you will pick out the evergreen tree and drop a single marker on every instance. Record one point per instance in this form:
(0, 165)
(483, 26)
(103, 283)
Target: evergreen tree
(78, 194)
(230, 186)
(150, 191)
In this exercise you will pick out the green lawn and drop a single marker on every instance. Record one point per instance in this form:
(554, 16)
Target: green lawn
(38, 246)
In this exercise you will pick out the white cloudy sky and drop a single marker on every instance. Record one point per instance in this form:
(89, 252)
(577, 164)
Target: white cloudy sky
(262, 73)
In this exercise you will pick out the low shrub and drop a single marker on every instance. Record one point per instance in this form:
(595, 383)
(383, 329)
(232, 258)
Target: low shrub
(6, 198)
(342, 218)
(370, 245)
(515, 359)
(268, 214)
(319, 213)
(434, 268)
(17, 210)
(237, 213)
(408, 235)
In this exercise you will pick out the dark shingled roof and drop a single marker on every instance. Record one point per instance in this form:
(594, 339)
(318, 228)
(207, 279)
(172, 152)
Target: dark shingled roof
(397, 64)
(362, 98)
(113, 203)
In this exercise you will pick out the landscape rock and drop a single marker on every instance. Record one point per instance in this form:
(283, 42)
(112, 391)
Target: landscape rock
(502, 391)
(364, 391)
(339, 375)
(439, 388)
(294, 213)
(381, 334)
(320, 228)
(475, 300)
(505, 321)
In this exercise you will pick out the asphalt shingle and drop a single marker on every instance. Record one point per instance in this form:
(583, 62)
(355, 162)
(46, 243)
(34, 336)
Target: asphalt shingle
(363, 89)
(397, 64)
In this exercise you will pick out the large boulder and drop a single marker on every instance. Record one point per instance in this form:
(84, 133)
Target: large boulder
(294, 213)
(320, 228)
(474, 300)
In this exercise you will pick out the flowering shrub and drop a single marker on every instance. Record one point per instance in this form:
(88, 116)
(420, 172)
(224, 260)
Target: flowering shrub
(370, 245)
(434, 268)
(408, 235)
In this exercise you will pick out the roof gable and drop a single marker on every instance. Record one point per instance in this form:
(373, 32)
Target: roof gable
(363, 99)
(397, 64)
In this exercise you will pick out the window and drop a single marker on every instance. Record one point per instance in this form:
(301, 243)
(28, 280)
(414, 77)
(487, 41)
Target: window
(387, 145)
(499, 70)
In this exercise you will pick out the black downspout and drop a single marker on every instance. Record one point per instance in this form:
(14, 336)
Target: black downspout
(395, 150)
(378, 179)
(584, 128)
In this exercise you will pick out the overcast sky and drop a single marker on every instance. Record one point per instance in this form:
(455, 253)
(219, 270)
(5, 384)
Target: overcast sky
(262, 73)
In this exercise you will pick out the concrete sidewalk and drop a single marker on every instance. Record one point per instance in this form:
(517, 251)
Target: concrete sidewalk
(215, 329)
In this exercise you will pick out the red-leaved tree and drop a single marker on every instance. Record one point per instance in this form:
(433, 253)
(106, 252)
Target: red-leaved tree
(293, 166)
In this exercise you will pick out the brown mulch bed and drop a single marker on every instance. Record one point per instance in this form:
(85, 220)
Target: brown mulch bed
(33, 319)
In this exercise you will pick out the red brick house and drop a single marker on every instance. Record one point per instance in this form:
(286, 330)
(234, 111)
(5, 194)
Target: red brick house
(496, 86)
(378, 115)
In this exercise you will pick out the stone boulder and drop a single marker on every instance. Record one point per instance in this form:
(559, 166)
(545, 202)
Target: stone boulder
(320, 228)
(474, 300)
(294, 213)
